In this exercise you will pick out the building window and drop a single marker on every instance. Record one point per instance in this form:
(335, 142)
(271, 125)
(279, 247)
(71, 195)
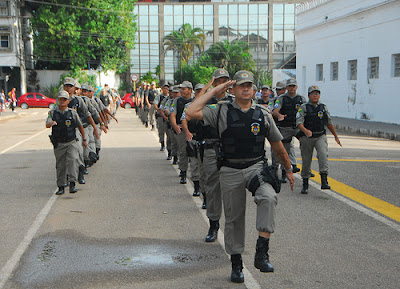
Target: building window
(320, 72)
(396, 65)
(3, 8)
(373, 67)
(334, 71)
(352, 70)
(5, 41)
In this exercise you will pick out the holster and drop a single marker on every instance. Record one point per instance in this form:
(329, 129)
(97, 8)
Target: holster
(219, 155)
(191, 149)
(266, 175)
(53, 141)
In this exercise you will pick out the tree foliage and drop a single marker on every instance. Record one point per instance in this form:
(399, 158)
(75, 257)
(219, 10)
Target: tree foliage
(195, 73)
(148, 77)
(233, 56)
(78, 33)
(184, 41)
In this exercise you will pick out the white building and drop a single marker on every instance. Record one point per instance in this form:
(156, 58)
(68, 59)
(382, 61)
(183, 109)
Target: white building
(351, 50)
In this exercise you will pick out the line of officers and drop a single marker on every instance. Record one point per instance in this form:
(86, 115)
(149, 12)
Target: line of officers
(220, 130)
(76, 123)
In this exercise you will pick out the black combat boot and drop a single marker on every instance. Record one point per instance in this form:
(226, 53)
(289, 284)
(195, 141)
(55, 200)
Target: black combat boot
(169, 157)
(295, 169)
(152, 127)
(81, 179)
(283, 179)
(196, 185)
(312, 175)
(175, 161)
(60, 190)
(93, 157)
(204, 206)
(237, 267)
(98, 153)
(162, 147)
(146, 124)
(183, 178)
(261, 259)
(304, 190)
(72, 188)
(324, 182)
(212, 232)
(88, 163)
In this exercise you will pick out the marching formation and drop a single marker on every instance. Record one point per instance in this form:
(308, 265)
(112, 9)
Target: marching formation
(216, 134)
(218, 130)
(76, 123)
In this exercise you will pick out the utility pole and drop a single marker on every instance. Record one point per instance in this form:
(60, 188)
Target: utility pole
(20, 44)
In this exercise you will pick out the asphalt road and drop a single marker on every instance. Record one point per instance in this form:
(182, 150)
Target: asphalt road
(134, 226)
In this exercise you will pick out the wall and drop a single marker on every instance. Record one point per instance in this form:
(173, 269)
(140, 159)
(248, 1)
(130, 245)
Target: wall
(358, 30)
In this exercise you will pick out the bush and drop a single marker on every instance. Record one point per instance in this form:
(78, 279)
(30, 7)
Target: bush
(51, 91)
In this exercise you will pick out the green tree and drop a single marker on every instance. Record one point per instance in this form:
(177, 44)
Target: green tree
(148, 77)
(195, 73)
(75, 34)
(232, 56)
(185, 41)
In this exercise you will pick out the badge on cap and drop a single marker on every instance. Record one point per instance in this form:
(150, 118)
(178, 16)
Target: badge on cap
(244, 75)
(255, 128)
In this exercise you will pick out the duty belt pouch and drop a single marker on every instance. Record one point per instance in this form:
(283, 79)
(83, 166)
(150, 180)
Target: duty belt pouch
(191, 149)
(267, 175)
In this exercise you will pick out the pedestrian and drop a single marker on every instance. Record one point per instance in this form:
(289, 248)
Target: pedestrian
(13, 99)
(311, 121)
(2, 99)
(285, 110)
(63, 122)
(243, 126)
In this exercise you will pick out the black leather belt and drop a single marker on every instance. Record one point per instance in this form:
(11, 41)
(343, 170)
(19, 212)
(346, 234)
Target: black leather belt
(241, 165)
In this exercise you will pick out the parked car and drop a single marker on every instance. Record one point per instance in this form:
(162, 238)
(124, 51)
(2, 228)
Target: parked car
(127, 101)
(33, 99)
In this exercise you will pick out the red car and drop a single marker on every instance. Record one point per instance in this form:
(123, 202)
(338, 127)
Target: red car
(33, 99)
(127, 101)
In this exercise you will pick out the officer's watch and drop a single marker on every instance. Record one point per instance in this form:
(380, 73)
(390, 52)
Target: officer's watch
(289, 170)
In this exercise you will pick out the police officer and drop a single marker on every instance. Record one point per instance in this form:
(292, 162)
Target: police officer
(265, 95)
(161, 123)
(151, 95)
(210, 143)
(176, 111)
(175, 93)
(311, 121)
(63, 122)
(285, 110)
(243, 126)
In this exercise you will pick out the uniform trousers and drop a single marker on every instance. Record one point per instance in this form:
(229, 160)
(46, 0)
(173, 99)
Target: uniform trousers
(162, 129)
(151, 115)
(80, 160)
(97, 141)
(66, 162)
(233, 188)
(307, 146)
(288, 133)
(174, 142)
(212, 185)
(292, 156)
(91, 146)
(169, 134)
(182, 154)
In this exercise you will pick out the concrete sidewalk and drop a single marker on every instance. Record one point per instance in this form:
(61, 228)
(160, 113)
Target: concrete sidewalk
(367, 128)
(8, 114)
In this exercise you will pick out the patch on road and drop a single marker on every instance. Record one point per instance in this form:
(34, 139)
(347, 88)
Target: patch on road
(69, 260)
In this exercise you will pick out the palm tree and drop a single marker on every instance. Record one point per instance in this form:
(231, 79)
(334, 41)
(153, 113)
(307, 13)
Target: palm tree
(232, 56)
(185, 41)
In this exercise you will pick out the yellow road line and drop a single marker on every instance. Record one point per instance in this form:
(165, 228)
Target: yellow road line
(359, 160)
(384, 208)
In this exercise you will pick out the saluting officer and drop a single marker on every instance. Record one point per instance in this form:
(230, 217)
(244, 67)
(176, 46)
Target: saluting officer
(243, 126)
(285, 109)
(311, 121)
(63, 122)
